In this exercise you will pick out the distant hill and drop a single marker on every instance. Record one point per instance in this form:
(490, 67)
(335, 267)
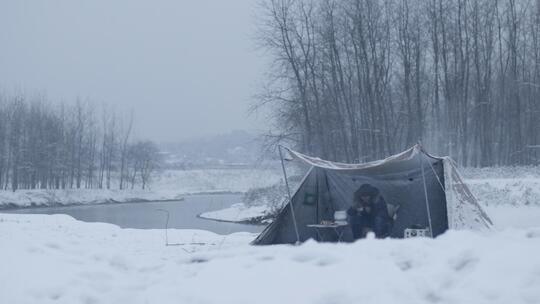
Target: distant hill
(235, 149)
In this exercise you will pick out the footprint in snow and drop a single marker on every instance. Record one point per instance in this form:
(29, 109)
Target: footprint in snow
(325, 261)
(463, 262)
(266, 258)
(303, 258)
(119, 262)
(52, 245)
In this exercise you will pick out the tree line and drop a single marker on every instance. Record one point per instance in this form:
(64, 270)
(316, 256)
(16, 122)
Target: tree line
(357, 80)
(59, 146)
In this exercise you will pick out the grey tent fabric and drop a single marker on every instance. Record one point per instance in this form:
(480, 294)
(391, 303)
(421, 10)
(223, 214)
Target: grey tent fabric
(329, 187)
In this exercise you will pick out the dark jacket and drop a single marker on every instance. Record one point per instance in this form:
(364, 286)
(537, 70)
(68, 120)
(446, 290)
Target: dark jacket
(377, 208)
(376, 218)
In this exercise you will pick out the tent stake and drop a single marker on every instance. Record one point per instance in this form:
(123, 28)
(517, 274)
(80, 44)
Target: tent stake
(289, 194)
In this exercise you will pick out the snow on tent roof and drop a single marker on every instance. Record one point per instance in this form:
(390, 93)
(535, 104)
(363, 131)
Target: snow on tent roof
(406, 155)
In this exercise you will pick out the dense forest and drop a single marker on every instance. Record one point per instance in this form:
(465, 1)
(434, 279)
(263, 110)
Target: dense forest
(57, 146)
(357, 80)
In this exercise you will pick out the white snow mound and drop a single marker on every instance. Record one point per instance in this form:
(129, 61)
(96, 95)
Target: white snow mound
(55, 259)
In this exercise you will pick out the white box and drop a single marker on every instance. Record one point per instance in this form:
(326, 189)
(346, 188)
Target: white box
(410, 233)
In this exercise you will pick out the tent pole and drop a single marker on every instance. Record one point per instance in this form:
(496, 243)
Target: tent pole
(289, 194)
(425, 193)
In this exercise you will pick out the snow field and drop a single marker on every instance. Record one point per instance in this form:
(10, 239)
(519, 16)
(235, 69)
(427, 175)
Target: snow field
(56, 259)
(236, 213)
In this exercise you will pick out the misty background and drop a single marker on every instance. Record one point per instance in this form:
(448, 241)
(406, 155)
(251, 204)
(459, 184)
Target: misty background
(186, 68)
(461, 77)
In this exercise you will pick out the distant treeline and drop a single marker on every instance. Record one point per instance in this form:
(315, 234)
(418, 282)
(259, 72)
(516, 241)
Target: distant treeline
(46, 146)
(357, 80)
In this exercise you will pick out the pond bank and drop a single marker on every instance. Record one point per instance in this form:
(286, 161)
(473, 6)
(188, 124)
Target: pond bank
(22, 199)
(166, 185)
(13, 207)
(241, 213)
(180, 214)
(69, 197)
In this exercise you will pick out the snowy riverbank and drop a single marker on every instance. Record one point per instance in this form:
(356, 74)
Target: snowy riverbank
(56, 259)
(169, 185)
(41, 198)
(240, 213)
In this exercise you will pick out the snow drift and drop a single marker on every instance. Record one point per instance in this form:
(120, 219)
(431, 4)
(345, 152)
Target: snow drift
(55, 259)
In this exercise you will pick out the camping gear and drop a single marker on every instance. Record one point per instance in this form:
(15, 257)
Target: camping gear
(329, 232)
(392, 210)
(416, 232)
(428, 190)
(340, 216)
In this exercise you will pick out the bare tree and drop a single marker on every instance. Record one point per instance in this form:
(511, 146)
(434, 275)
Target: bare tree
(52, 147)
(356, 80)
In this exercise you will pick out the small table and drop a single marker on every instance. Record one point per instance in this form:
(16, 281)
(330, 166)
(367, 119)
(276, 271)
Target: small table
(337, 228)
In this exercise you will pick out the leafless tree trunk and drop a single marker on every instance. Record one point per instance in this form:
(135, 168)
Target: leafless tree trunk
(355, 80)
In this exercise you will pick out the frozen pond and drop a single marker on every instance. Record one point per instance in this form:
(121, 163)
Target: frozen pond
(183, 214)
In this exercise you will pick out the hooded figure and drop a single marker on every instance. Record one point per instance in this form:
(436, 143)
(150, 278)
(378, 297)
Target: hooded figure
(369, 213)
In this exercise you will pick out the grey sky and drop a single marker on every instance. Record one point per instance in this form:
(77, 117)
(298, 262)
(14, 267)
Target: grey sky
(187, 68)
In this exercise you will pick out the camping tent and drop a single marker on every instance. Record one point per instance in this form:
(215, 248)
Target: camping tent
(428, 189)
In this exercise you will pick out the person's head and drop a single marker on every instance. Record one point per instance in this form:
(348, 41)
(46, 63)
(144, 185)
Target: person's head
(365, 194)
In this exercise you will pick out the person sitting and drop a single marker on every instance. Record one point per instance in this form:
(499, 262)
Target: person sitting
(369, 212)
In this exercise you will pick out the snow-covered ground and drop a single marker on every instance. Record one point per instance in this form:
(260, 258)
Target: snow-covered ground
(56, 259)
(168, 185)
(513, 216)
(239, 212)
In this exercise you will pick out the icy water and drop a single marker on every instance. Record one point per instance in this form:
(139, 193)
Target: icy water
(183, 214)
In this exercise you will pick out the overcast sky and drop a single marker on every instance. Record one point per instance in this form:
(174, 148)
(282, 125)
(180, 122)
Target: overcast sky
(187, 68)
